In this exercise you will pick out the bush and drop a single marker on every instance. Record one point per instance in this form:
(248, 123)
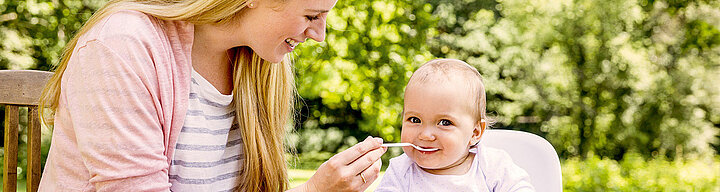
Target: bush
(309, 160)
(634, 173)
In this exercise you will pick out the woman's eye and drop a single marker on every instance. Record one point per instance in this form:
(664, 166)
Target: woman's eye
(445, 122)
(311, 18)
(414, 120)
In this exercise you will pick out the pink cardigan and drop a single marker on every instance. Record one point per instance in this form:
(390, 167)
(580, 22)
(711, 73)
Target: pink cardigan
(122, 104)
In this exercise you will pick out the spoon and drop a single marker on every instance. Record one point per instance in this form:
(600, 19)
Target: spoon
(408, 144)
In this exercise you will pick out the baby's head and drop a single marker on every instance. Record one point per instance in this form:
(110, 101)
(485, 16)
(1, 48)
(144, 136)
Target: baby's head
(444, 109)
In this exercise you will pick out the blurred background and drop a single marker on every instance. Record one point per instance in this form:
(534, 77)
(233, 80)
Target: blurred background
(627, 91)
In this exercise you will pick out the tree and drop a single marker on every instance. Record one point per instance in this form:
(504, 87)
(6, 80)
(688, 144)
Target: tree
(602, 77)
(34, 32)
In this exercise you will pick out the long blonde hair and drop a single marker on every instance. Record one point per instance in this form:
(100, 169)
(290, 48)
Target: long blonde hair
(264, 92)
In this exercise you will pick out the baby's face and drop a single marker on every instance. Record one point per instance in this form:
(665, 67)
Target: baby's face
(439, 115)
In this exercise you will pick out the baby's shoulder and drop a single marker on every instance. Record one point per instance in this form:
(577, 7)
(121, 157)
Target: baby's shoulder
(491, 151)
(493, 158)
(500, 170)
(397, 176)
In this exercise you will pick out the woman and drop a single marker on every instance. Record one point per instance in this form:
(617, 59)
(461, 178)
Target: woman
(187, 96)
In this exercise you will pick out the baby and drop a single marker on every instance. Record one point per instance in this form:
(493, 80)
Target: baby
(445, 110)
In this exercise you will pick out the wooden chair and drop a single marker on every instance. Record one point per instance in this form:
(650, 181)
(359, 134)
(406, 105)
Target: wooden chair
(21, 88)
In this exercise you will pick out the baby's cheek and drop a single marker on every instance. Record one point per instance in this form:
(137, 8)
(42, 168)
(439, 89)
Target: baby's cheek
(406, 136)
(449, 156)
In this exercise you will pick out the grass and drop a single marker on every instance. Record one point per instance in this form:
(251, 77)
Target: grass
(300, 176)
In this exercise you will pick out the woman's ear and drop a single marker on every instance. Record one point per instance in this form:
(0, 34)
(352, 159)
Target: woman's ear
(478, 131)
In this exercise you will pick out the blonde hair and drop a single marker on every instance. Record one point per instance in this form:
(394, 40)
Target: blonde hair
(264, 92)
(439, 69)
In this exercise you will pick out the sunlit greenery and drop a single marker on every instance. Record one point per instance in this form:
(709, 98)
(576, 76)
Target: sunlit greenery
(627, 88)
(595, 76)
(607, 77)
(634, 173)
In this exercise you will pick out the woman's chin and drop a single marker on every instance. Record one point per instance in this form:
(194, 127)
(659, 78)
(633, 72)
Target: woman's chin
(275, 58)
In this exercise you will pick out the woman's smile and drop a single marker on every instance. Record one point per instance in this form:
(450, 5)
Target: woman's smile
(291, 44)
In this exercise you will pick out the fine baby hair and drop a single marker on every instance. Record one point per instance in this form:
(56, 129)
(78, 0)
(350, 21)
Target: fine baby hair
(444, 69)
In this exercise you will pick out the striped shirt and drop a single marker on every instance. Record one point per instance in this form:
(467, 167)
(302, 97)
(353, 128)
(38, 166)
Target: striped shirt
(209, 149)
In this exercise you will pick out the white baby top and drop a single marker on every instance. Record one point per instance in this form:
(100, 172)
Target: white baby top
(492, 170)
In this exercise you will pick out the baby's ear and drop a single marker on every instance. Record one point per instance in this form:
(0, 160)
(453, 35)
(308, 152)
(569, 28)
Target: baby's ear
(478, 131)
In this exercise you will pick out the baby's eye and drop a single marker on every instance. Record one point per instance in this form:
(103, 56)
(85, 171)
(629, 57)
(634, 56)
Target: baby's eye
(445, 122)
(414, 120)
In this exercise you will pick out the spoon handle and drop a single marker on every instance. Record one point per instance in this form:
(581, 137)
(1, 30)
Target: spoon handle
(396, 144)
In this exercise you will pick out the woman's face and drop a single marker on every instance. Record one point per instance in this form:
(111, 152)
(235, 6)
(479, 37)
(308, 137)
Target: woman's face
(274, 27)
(439, 116)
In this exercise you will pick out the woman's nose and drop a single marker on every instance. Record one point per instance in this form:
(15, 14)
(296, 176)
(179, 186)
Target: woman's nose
(316, 30)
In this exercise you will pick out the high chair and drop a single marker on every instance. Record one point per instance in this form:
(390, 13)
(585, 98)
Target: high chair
(530, 152)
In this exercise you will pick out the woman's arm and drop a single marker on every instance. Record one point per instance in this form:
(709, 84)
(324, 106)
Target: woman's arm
(113, 110)
(342, 171)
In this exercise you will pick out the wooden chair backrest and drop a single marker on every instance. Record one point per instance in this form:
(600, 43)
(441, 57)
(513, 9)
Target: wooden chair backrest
(21, 88)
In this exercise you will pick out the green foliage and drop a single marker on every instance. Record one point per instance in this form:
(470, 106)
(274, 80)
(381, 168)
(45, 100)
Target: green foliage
(34, 32)
(586, 75)
(634, 173)
(594, 76)
(309, 160)
(700, 35)
(351, 85)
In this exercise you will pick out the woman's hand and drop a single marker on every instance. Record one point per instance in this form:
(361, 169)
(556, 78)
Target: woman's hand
(351, 170)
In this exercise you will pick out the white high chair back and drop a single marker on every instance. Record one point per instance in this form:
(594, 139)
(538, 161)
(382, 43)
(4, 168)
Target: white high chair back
(530, 152)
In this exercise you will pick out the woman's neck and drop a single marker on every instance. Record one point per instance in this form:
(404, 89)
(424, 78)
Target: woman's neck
(210, 59)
